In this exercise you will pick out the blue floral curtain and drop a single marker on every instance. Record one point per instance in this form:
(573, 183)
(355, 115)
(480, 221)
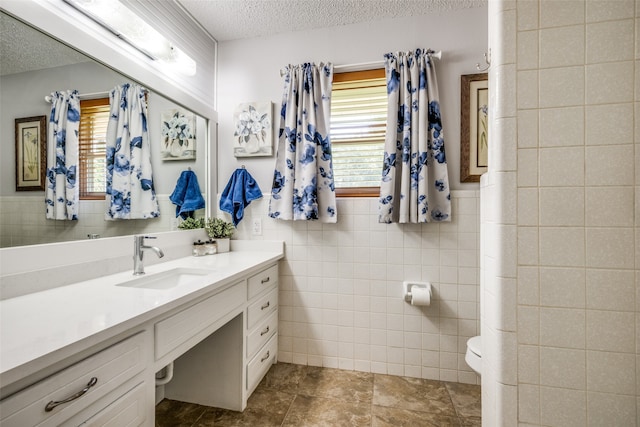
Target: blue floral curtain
(130, 191)
(62, 156)
(415, 182)
(303, 187)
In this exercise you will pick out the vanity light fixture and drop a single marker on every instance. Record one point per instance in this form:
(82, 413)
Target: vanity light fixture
(126, 25)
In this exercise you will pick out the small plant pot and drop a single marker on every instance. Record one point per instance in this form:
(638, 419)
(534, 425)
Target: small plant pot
(223, 245)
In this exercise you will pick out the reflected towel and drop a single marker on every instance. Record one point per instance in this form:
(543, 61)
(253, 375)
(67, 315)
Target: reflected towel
(239, 192)
(187, 196)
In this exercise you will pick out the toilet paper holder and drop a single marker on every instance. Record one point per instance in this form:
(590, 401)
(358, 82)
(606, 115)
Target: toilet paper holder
(408, 285)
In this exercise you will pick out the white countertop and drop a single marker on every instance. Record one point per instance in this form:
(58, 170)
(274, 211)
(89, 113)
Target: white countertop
(45, 327)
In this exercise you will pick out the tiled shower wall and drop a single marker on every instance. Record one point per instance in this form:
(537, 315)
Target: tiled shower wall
(569, 78)
(24, 223)
(341, 294)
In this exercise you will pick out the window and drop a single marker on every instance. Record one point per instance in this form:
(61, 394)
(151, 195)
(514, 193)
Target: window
(94, 118)
(358, 124)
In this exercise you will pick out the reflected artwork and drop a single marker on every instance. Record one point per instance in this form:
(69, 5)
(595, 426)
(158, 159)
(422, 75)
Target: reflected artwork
(178, 135)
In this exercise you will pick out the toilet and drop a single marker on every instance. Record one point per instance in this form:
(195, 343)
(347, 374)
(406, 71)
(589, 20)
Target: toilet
(474, 354)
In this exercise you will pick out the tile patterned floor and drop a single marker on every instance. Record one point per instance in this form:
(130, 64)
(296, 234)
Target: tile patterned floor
(296, 395)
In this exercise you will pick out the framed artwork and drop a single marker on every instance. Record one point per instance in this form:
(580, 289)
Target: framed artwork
(31, 153)
(178, 135)
(252, 135)
(474, 127)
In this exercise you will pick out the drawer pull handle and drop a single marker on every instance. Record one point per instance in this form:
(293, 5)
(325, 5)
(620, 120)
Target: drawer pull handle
(266, 331)
(51, 405)
(266, 356)
(263, 281)
(265, 305)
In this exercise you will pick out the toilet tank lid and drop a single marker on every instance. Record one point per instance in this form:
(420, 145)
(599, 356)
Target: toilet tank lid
(475, 345)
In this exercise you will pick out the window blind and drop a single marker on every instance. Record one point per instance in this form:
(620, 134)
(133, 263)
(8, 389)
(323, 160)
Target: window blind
(358, 124)
(94, 118)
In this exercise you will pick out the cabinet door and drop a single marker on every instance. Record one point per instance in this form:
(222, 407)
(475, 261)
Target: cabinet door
(260, 364)
(263, 281)
(261, 334)
(171, 332)
(50, 403)
(127, 411)
(262, 307)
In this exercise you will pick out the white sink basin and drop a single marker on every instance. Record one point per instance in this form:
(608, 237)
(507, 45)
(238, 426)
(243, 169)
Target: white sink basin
(166, 279)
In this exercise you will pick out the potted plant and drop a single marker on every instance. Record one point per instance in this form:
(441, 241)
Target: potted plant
(191, 224)
(221, 231)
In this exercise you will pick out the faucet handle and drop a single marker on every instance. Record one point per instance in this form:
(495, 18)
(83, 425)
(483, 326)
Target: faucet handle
(149, 237)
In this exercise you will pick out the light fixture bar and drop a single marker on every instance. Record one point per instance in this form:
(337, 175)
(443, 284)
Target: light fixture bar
(129, 27)
(106, 13)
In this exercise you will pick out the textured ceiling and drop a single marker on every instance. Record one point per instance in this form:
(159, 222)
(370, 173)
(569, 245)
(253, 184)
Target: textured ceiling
(24, 49)
(239, 19)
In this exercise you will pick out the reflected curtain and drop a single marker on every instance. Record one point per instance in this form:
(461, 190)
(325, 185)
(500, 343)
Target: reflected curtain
(130, 190)
(303, 187)
(415, 182)
(62, 156)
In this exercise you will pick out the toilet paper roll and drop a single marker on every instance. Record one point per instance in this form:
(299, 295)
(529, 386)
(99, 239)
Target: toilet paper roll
(420, 295)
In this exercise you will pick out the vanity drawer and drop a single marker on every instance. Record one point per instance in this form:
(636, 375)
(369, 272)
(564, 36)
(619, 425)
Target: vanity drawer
(262, 307)
(263, 281)
(128, 410)
(181, 327)
(260, 364)
(111, 368)
(261, 334)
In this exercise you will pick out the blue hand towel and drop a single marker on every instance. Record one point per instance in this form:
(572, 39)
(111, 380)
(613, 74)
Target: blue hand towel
(239, 192)
(187, 196)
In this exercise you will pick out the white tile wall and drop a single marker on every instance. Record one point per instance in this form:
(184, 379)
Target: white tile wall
(578, 258)
(562, 407)
(554, 131)
(609, 124)
(341, 294)
(609, 82)
(16, 231)
(562, 287)
(562, 46)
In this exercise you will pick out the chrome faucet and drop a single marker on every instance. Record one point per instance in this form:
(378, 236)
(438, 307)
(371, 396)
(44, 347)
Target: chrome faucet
(138, 253)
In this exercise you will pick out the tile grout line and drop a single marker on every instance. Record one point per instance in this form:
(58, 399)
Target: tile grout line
(295, 396)
(197, 419)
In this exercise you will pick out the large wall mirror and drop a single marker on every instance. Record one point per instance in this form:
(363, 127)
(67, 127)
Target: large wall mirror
(33, 66)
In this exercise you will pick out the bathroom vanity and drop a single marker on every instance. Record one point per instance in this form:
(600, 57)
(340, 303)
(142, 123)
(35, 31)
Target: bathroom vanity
(89, 352)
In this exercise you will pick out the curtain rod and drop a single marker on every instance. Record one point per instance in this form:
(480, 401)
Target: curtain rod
(360, 65)
(365, 65)
(93, 95)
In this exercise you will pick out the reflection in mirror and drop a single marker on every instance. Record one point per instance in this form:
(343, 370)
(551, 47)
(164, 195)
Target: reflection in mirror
(35, 65)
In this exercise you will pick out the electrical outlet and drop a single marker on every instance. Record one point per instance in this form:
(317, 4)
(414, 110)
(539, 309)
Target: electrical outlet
(256, 226)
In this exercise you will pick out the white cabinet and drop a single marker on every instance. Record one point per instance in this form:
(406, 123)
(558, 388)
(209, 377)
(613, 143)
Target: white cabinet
(260, 364)
(258, 336)
(171, 332)
(76, 393)
(221, 339)
(225, 367)
(261, 306)
(264, 280)
(127, 411)
(262, 326)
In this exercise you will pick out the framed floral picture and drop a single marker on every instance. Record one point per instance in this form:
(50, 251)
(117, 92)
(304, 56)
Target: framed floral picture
(178, 135)
(31, 153)
(474, 127)
(252, 135)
